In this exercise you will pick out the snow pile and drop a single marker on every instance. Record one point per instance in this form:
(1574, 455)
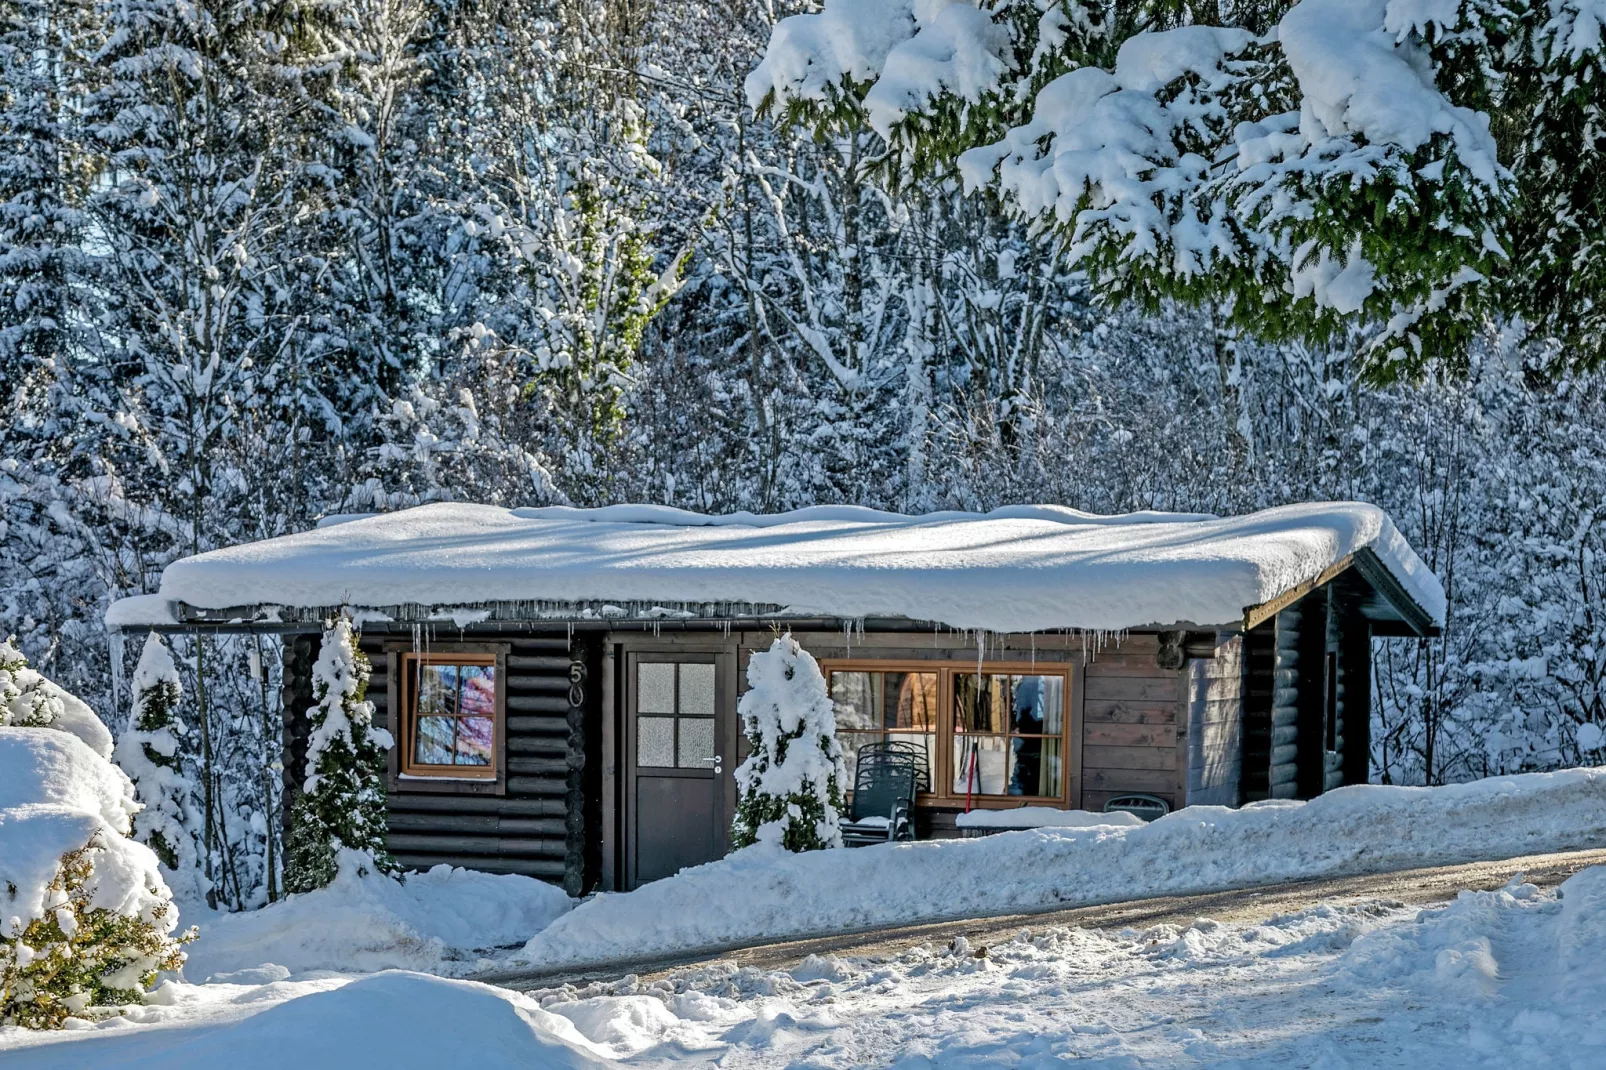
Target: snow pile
(398, 1020)
(1043, 817)
(435, 922)
(1019, 568)
(56, 796)
(760, 894)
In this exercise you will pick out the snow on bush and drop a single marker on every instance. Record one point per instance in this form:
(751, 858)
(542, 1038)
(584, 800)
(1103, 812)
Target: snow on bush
(790, 784)
(86, 920)
(154, 752)
(28, 700)
(757, 896)
(342, 803)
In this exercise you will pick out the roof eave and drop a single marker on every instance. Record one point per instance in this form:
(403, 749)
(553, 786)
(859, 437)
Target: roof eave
(1409, 617)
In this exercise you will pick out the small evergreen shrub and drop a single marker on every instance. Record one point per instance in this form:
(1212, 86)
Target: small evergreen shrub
(78, 957)
(341, 807)
(790, 784)
(156, 752)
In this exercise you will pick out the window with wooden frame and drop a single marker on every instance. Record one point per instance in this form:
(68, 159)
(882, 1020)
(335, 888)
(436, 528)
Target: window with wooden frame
(451, 727)
(994, 733)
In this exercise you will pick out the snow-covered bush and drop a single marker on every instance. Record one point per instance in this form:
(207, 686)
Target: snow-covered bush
(86, 919)
(342, 803)
(28, 700)
(790, 784)
(154, 752)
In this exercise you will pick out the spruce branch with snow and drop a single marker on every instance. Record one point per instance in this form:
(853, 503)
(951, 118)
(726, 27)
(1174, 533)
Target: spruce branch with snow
(789, 787)
(341, 807)
(1353, 169)
(156, 751)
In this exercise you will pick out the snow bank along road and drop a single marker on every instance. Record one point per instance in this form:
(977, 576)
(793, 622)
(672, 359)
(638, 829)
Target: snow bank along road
(1413, 887)
(762, 894)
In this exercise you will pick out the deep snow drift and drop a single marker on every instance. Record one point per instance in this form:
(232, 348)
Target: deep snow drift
(1020, 568)
(444, 921)
(763, 894)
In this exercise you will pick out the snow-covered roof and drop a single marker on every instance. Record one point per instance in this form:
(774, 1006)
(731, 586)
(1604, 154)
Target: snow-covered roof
(1020, 568)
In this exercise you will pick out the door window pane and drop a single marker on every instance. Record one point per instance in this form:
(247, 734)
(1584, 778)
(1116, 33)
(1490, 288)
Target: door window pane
(696, 688)
(696, 749)
(655, 687)
(655, 741)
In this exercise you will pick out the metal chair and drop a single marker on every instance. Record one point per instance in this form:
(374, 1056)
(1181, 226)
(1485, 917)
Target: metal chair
(902, 747)
(1148, 807)
(883, 801)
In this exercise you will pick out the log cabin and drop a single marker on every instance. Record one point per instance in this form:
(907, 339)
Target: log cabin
(562, 683)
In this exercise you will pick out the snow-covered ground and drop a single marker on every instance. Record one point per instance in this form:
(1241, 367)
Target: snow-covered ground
(1494, 979)
(446, 921)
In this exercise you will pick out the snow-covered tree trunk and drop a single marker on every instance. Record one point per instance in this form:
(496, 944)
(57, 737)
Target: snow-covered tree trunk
(156, 753)
(790, 784)
(339, 817)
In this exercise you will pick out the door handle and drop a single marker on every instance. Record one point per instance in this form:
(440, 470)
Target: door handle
(716, 761)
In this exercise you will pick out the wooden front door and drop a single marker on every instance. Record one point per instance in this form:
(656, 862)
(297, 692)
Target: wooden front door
(680, 749)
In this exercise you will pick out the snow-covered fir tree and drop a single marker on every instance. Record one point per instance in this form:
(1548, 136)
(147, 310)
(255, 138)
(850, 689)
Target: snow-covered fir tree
(339, 816)
(790, 787)
(157, 752)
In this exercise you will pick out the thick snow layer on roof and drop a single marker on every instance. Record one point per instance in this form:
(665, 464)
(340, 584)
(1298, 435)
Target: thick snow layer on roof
(1020, 568)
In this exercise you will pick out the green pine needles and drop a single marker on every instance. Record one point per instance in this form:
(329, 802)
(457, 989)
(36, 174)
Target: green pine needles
(338, 820)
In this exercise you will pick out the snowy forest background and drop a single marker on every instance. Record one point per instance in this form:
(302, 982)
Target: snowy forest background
(262, 263)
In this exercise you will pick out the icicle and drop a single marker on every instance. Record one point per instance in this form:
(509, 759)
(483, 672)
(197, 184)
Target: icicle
(253, 661)
(116, 642)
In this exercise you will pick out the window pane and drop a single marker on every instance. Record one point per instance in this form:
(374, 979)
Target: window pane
(980, 765)
(981, 702)
(696, 742)
(1035, 767)
(475, 736)
(925, 743)
(437, 690)
(432, 744)
(911, 700)
(853, 695)
(1037, 704)
(655, 741)
(478, 696)
(696, 688)
(850, 743)
(655, 687)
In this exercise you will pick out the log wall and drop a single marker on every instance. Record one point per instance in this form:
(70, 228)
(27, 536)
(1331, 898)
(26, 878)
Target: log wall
(1215, 724)
(539, 827)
